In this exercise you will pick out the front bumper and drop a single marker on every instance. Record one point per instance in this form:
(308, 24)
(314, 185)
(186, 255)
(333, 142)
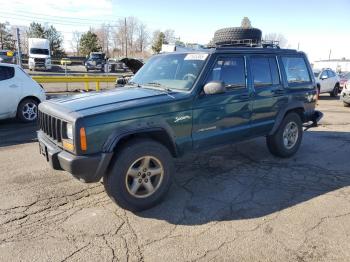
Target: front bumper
(345, 96)
(89, 168)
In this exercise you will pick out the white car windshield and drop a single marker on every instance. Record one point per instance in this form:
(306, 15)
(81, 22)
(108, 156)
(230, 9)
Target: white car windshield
(172, 71)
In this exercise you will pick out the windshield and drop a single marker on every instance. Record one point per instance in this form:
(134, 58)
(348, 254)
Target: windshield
(39, 51)
(173, 71)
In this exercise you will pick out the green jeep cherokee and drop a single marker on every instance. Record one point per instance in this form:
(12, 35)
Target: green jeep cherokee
(177, 103)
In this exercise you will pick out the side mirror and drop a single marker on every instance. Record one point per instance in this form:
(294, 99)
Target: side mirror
(324, 77)
(214, 87)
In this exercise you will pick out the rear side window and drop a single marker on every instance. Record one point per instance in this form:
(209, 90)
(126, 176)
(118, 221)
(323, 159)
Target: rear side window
(296, 70)
(6, 72)
(265, 71)
(230, 70)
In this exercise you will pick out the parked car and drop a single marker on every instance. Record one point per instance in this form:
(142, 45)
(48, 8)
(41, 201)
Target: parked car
(7, 56)
(345, 94)
(65, 61)
(96, 61)
(20, 95)
(327, 82)
(178, 103)
(344, 78)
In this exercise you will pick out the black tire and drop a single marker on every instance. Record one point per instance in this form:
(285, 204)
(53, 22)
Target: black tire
(116, 183)
(335, 91)
(27, 110)
(275, 142)
(230, 34)
(346, 104)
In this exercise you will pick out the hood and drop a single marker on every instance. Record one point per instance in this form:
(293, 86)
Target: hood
(133, 64)
(95, 103)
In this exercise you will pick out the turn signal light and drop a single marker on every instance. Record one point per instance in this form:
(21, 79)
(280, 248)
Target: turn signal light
(83, 144)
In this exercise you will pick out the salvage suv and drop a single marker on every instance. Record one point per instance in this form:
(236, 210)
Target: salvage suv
(178, 103)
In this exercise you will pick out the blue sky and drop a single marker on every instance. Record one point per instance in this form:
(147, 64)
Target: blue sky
(317, 26)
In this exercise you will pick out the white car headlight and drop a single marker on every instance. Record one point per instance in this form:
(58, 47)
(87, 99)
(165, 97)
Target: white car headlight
(69, 131)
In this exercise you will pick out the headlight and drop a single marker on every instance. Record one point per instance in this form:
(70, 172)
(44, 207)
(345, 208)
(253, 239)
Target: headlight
(69, 131)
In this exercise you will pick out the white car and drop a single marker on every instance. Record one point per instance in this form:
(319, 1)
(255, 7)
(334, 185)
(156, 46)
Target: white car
(327, 81)
(19, 94)
(345, 94)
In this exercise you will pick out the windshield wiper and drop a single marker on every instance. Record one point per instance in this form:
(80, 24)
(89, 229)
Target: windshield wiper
(156, 84)
(133, 84)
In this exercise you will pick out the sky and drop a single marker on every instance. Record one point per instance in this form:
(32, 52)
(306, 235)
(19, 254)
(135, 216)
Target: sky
(315, 26)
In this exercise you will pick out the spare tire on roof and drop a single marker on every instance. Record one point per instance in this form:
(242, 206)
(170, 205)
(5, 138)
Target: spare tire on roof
(231, 34)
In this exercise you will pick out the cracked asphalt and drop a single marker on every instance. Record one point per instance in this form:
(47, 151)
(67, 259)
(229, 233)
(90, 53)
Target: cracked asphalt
(236, 203)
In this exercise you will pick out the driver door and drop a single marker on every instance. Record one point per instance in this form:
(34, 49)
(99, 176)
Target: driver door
(9, 91)
(223, 118)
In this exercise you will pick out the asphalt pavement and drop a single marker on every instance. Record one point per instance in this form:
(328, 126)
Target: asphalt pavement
(235, 203)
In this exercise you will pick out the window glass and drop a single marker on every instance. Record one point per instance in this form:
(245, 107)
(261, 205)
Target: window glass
(296, 70)
(230, 70)
(6, 72)
(261, 71)
(330, 73)
(324, 74)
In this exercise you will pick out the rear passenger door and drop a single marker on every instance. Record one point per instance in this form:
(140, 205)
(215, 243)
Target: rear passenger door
(269, 94)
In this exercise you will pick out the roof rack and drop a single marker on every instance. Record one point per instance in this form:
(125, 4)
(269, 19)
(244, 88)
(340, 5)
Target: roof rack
(252, 43)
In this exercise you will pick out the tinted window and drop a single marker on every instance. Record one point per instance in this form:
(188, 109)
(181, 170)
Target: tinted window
(39, 51)
(261, 71)
(230, 70)
(6, 72)
(331, 73)
(296, 70)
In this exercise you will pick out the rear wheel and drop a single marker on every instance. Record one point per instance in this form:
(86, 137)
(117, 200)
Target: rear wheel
(286, 141)
(140, 176)
(27, 110)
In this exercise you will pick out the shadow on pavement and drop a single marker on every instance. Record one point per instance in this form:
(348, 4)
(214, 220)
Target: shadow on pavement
(244, 181)
(13, 132)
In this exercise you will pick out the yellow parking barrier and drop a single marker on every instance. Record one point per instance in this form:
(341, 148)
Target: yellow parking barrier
(76, 79)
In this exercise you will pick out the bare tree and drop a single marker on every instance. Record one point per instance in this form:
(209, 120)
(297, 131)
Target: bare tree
(75, 42)
(142, 37)
(283, 42)
(170, 36)
(103, 33)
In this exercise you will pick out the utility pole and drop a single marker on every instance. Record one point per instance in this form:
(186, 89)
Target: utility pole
(19, 53)
(298, 46)
(330, 52)
(126, 39)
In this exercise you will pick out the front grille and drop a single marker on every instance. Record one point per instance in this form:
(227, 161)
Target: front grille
(39, 60)
(51, 126)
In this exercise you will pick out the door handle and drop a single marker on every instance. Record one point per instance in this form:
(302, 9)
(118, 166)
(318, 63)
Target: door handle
(245, 96)
(278, 91)
(13, 86)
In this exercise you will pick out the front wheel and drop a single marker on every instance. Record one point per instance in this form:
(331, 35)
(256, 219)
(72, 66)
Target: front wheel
(286, 141)
(27, 110)
(140, 176)
(335, 91)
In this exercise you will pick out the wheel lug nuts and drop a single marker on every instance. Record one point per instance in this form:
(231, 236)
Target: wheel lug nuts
(140, 180)
(145, 169)
(139, 174)
(146, 180)
(148, 173)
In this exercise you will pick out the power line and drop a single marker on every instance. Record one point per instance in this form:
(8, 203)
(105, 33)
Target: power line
(50, 20)
(66, 17)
